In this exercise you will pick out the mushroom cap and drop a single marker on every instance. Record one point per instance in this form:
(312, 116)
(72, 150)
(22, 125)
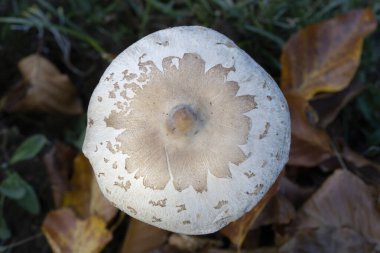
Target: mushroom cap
(185, 131)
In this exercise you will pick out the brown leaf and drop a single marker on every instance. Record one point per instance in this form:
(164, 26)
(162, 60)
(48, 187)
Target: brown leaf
(310, 145)
(59, 162)
(236, 231)
(188, 243)
(85, 196)
(364, 168)
(296, 194)
(343, 201)
(330, 104)
(143, 238)
(43, 88)
(278, 211)
(327, 240)
(66, 233)
(324, 57)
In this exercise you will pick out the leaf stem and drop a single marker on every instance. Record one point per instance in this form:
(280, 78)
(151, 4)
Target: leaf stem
(19, 243)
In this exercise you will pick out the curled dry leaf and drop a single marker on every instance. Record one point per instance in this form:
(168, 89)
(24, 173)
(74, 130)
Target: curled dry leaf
(326, 240)
(279, 211)
(343, 201)
(237, 231)
(310, 145)
(143, 238)
(330, 104)
(324, 57)
(66, 233)
(189, 243)
(320, 58)
(364, 168)
(296, 194)
(43, 88)
(85, 196)
(58, 163)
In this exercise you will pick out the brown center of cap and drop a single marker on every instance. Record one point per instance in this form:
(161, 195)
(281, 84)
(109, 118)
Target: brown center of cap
(183, 120)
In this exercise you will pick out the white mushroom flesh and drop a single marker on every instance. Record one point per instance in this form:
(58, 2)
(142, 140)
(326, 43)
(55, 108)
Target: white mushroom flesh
(186, 132)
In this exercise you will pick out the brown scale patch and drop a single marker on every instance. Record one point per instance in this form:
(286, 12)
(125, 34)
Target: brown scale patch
(152, 150)
(164, 44)
(220, 204)
(110, 147)
(90, 122)
(186, 222)
(112, 94)
(269, 98)
(228, 44)
(105, 160)
(128, 76)
(123, 94)
(108, 191)
(116, 86)
(249, 174)
(101, 174)
(114, 165)
(110, 77)
(132, 210)
(264, 164)
(119, 105)
(265, 132)
(100, 99)
(278, 156)
(96, 148)
(155, 219)
(124, 185)
(161, 203)
(181, 208)
(120, 177)
(257, 189)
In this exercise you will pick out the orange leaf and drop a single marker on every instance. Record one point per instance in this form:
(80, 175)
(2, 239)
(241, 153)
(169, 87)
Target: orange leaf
(310, 145)
(324, 57)
(143, 238)
(236, 231)
(44, 88)
(66, 233)
(85, 196)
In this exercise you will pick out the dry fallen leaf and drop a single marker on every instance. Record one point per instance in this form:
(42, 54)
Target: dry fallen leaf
(189, 243)
(43, 88)
(310, 145)
(327, 240)
(278, 211)
(329, 105)
(143, 238)
(66, 233)
(366, 169)
(296, 194)
(324, 57)
(59, 162)
(237, 231)
(343, 201)
(85, 196)
(320, 58)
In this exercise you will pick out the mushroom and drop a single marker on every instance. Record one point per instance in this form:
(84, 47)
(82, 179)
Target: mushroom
(185, 131)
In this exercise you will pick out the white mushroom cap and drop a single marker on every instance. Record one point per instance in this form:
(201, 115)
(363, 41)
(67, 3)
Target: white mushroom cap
(185, 131)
